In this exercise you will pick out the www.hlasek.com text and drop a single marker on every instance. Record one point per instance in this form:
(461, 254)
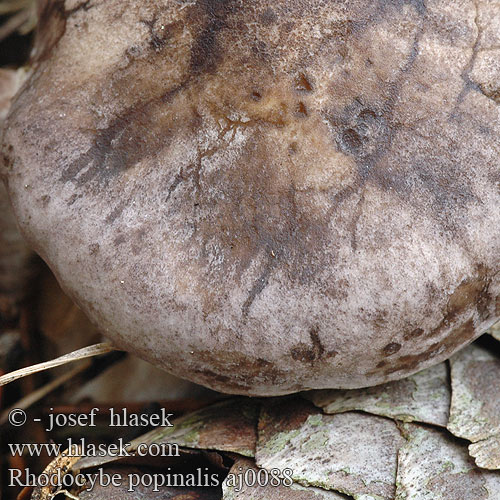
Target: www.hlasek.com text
(81, 448)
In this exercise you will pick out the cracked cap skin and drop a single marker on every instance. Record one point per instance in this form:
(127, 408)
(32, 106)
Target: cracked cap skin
(267, 197)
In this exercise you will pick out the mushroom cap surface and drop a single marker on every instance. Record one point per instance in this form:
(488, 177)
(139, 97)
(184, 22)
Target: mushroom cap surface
(267, 197)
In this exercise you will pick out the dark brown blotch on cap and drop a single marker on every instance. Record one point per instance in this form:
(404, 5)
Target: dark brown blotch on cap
(391, 348)
(417, 332)
(308, 353)
(301, 110)
(303, 84)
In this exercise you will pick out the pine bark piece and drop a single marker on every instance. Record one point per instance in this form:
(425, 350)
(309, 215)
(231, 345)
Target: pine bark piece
(423, 397)
(229, 426)
(225, 426)
(244, 491)
(475, 403)
(352, 453)
(433, 465)
(487, 452)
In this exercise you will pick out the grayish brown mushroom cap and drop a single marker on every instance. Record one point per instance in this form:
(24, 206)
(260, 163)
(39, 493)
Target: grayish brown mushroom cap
(268, 197)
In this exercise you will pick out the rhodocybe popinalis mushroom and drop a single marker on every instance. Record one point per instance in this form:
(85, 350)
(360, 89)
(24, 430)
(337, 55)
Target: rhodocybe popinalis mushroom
(267, 197)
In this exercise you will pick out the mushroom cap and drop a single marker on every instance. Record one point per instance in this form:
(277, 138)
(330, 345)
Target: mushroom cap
(265, 198)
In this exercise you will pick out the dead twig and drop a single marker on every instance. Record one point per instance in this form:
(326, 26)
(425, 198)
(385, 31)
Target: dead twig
(86, 352)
